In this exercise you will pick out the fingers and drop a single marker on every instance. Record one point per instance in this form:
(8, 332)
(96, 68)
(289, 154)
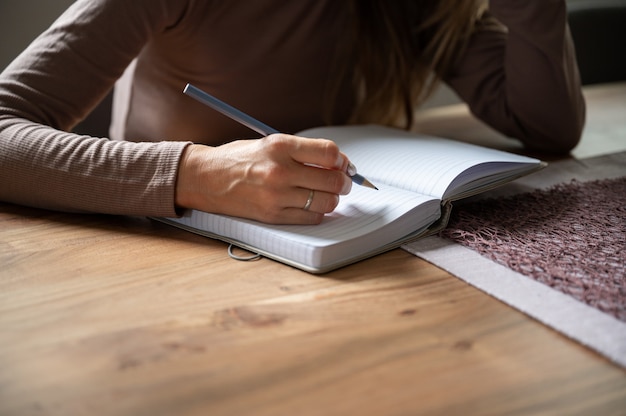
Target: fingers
(301, 206)
(319, 152)
(312, 163)
(298, 199)
(316, 205)
(315, 176)
(315, 201)
(326, 180)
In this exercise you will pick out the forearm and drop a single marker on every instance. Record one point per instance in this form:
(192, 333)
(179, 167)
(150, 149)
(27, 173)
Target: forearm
(527, 84)
(52, 85)
(57, 170)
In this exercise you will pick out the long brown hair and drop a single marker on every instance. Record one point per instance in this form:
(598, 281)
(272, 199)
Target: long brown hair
(401, 49)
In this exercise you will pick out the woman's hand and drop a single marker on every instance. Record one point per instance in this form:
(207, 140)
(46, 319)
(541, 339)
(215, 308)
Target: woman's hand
(268, 179)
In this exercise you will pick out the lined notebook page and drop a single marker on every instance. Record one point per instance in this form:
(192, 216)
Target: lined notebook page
(356, 226)
(422, 164)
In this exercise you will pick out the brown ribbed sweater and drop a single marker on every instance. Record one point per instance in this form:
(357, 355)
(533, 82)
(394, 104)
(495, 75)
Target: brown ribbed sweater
(270, 58)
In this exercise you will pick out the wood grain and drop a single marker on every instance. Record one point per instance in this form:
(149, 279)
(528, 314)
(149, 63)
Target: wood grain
(103, 315)
(116, 315)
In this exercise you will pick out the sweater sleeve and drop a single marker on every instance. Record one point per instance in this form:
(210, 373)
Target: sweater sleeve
(55, 83)
(523, 79)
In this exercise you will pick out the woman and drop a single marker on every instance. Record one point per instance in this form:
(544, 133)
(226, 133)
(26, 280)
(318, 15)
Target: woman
(292, 65)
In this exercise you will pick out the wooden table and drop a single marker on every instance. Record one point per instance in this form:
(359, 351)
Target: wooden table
(103, 315)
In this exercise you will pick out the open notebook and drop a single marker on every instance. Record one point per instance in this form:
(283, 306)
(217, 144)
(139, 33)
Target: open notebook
(417, 176)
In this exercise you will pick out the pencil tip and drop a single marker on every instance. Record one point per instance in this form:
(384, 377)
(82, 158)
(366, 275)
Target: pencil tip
(369, 184)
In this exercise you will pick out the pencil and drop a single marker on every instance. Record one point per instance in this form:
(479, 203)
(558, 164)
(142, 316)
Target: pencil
(254, 124)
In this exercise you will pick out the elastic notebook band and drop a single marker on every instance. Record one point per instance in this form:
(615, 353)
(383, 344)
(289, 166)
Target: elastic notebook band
(241, 258)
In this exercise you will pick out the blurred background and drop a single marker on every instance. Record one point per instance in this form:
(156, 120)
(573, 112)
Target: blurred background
(600, 34)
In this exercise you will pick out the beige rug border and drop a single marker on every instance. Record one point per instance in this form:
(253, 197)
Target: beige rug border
(585, 324)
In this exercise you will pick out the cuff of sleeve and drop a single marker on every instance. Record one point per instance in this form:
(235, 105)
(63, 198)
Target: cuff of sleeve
(161, 191)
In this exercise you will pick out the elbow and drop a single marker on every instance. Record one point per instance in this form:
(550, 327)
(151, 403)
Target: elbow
(559, 142)
(558, 137)
(556, 131)
(564, 144)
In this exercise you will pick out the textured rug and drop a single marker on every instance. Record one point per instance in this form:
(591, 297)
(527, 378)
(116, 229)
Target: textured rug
(552, 245)
(571, 237)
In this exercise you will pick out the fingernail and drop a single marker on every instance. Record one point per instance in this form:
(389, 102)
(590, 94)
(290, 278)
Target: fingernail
(351, 171)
